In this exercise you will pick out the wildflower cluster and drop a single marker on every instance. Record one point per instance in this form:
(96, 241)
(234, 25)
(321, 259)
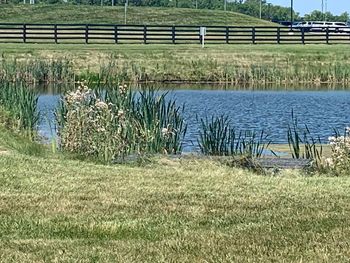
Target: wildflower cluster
(339, 161)
(92, 128)
(110, 124)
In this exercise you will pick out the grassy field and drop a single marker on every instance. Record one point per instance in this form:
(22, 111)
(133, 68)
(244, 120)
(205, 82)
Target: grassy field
(115, 15)
(189, 210)
(55, 208)
(280, 64)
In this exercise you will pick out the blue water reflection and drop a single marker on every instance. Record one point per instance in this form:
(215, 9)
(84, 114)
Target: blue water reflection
(322, 111)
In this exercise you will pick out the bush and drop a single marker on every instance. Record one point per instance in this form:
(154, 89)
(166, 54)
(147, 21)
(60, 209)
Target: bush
(110, 124)
(339, 162)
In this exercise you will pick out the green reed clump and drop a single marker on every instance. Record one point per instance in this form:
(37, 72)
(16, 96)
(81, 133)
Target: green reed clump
(217, 137)
(161, 121)
(108, 125)
(36, 71)
(301, 142)
(21, 104)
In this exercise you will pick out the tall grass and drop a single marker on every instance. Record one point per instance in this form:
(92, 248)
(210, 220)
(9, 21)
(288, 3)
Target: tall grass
(36, 71)
(21, 104)
(108, 125)
(243, 70)
(213, 70)
(207, 69)
(217, 137)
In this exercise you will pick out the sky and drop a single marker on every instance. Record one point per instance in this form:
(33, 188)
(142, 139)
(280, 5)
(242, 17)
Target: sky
(306, 6)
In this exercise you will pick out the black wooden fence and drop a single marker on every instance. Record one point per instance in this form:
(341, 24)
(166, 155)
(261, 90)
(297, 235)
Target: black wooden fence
(164, 34)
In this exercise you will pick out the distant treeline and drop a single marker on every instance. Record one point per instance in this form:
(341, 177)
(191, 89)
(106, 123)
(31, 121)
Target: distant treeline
(249, 7)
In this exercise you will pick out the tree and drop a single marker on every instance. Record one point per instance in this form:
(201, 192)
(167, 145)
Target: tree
(314, 16)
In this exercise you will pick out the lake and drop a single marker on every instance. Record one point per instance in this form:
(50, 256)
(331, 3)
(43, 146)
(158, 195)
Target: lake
(270, 110)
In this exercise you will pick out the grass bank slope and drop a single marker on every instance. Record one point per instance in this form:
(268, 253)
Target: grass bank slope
(135, 15)
(168, 210)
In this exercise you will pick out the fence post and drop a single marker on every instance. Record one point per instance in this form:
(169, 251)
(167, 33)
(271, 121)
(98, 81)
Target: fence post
(116, 34)
(145, 34)
(173, 34)
(327, 35)
(86, 34)
(227, 35)
(303, 36)
(278, 35)
(253, 35)
(24, 33)
(55, 33)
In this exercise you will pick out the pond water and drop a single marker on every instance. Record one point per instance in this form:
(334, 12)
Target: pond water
(270, 110)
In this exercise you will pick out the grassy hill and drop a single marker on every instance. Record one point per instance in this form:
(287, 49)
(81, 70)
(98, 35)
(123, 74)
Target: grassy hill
(135, 15)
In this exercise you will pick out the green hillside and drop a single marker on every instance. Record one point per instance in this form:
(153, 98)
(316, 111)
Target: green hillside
(135, 15)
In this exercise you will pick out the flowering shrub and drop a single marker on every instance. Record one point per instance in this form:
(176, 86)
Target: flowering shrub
(339, 162)
(89, 128)
(109, 125)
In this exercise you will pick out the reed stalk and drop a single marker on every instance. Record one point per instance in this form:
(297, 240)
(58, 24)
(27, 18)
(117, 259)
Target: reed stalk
(218, 138)
(21, 104)
(302, 143)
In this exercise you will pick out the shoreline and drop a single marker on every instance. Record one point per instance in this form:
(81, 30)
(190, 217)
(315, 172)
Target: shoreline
(247, 65)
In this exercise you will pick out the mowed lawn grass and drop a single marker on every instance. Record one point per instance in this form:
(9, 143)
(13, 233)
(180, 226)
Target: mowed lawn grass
(187, 210)
(42, 13)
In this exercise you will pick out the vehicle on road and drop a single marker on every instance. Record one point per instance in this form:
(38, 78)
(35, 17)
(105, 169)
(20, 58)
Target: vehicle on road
(322, 26)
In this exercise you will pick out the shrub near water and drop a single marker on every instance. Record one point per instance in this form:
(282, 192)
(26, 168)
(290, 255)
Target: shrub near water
(108, 125)
(339, 161)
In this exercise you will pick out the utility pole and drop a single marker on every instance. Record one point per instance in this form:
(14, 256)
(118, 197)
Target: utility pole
(125, 9)
(260, 8)
(291, 14)
(322, 8)
(225, 4)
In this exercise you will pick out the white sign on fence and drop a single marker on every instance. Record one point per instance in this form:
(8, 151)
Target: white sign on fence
(202, 33)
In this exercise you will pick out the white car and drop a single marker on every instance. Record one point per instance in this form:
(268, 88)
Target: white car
(319, 26)
(338, 27)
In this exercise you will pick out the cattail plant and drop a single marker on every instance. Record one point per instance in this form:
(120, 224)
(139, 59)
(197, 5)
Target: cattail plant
(21, 103)
(301, 142)
(217, 137)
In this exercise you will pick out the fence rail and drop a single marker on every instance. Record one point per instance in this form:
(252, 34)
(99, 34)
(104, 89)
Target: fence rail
(165, 34)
